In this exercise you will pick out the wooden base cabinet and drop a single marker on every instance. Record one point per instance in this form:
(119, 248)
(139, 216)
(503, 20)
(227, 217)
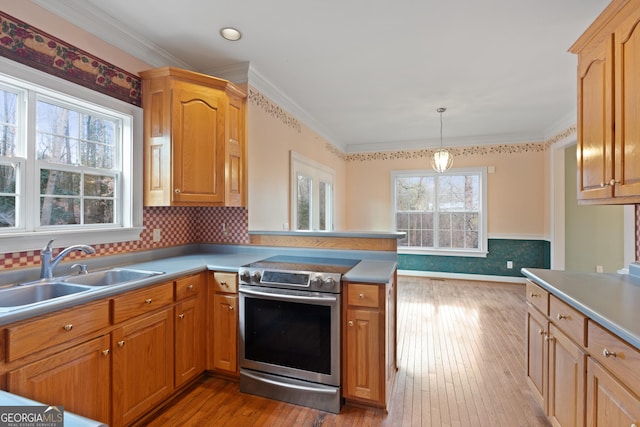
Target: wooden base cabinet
(77, 378)
(537, 362)
(609, 402)
(369, 343)
(190, 328)
(224, 323)
(142, 361)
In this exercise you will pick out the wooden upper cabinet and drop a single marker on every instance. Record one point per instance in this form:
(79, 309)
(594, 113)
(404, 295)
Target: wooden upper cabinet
(194, 139)
(608, 107)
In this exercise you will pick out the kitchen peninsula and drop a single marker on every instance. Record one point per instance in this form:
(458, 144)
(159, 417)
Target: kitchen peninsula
(101, 333)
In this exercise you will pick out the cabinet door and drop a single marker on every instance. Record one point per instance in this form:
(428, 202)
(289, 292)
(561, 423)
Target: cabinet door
(235, 152)
(225, 333)
(537, 356)
(609, 403)
(627, 132)
(595, 121)
(364, 370)
(567, 375)
(190, 344)
(142, 365)
(198, 134)
(77, 378)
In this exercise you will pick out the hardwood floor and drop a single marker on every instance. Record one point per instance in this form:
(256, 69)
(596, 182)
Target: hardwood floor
(460, 360)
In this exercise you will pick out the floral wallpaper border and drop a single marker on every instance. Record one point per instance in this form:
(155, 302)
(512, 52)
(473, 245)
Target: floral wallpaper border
(28, 45)
(480, 150)
(258, 99)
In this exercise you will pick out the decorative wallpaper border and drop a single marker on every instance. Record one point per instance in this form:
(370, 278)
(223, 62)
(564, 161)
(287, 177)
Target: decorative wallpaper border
(258, 99)
(479, 150)
(28, 45)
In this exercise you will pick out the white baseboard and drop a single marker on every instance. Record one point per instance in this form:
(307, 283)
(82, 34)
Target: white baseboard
(462, 276)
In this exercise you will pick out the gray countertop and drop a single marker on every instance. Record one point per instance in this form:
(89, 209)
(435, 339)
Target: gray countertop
(612, 300)
(373, 267)
(358, 234)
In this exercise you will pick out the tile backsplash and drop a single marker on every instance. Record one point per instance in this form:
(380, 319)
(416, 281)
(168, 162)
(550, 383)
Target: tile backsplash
(177, 225)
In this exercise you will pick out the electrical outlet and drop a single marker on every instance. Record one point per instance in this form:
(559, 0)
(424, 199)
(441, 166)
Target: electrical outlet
(509, 265)
(224, 229)
(156, 234)
(599, 269)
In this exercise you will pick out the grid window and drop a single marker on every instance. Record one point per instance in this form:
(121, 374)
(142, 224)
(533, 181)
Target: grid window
(440, 212)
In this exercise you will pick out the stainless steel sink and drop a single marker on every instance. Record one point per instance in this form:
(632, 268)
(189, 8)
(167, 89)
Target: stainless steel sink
(113, 276)
(37, 292)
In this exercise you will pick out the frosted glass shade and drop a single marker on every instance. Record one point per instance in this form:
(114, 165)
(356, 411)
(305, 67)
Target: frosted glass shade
(441, 160)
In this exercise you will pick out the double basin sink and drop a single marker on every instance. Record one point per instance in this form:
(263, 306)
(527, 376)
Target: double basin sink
(43, 290)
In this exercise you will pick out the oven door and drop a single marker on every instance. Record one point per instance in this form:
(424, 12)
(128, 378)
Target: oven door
(290, 333)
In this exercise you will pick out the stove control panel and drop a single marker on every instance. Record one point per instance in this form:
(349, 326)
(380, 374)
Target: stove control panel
(304, 280)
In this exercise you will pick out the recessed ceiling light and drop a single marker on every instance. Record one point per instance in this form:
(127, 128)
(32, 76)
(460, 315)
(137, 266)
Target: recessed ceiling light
(230, 33)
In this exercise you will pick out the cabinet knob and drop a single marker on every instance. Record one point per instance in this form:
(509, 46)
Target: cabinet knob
(181, 316)
(148, 301)
(562, 316)
(190, 287)
(548, 338)
(223, 283)
(105, 352)
(121, 343)
(230, 307)
(361, 296)
(607, 353)
(541, 331)
(613, 182)
(350, 322)
(177, 191)
(68, 327)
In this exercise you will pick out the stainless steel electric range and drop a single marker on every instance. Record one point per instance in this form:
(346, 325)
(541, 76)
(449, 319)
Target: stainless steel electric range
(290, 329)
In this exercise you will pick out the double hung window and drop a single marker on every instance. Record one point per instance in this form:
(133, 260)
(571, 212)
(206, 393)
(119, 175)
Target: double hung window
(441, 213)
(311, 194)
(66, 164)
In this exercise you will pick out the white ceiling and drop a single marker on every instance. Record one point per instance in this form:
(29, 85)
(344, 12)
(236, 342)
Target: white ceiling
(369, 74)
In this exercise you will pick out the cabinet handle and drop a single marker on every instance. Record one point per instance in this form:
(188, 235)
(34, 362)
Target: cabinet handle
(177, 191)
(562, 316)
(541, 331)
(105, 352)
(121, 343)
(534, 295)
(223, 283)
(190, 287)
(350, 322)
(607, 353)
(68, 327)
(147, 301)
(230, 307)
(548, 338)
(181, 316)
(613, 182)
(361, 296)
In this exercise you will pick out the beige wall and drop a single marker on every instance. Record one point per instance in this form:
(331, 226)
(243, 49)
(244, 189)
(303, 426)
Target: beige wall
(272, 134)
(516, 190)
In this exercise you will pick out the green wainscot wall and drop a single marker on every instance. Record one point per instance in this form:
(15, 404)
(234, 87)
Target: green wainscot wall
(523, 253)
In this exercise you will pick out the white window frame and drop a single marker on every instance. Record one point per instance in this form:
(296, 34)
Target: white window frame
(483, 242)
(318, 172)
(33, 238)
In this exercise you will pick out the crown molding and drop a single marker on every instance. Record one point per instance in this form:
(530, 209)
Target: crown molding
(81, 14)
(236, 73)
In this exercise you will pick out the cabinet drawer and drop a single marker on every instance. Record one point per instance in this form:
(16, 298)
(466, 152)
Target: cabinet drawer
(569, 320)
(187, 287)
(225, 282)
(622, 359)
(363, 295)
(538, 297)
(35, 335)
(142, 301)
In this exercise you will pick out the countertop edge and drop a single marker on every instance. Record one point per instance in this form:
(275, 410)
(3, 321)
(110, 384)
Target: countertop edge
(609, 320)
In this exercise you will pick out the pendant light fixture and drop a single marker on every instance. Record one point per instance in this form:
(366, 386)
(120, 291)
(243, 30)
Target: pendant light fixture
(442, 159)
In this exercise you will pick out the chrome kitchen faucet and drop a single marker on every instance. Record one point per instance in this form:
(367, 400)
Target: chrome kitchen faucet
(48, 262)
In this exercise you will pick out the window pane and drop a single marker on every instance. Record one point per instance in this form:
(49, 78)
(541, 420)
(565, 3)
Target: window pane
(8, 196)
(98, 211)
(99, 186)
(7, 211)
(59, 210)
(8, 118)
(53, 182)
(415, 193)
(324, 198)
(304, 203)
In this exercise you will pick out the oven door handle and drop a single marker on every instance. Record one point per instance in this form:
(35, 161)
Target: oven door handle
(288, 297)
